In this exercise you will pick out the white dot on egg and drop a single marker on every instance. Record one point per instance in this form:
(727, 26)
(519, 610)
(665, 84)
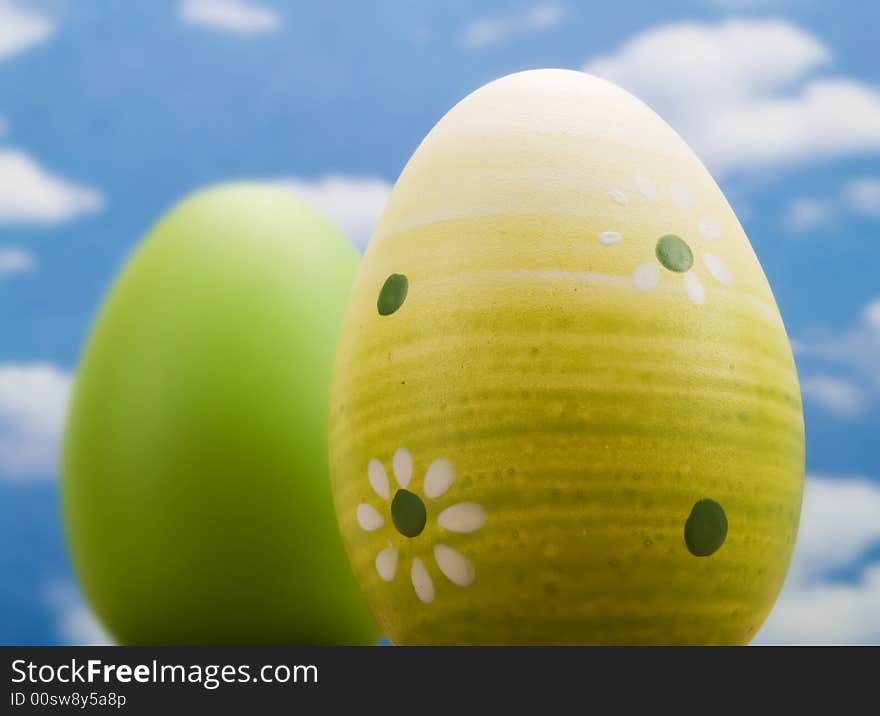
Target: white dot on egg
(694, 289)
(609, 237)
(646, 277)
(647, 187)
(618, 196)
(422, 582)
(402, 463)
(438, 478)
(464, 517)
(455, 566)
(386, 563)
(378, 478)
(709, 228)
(718, 269)
(680, 195)
(368, 517)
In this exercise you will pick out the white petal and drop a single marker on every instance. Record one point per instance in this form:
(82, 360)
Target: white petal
(694, 288)
(646, 186)
(454, 565)
(403, 466)
(378, 478)
(369, 518)
(718, 269)
(463, 517)
(618, 196)
(422, 582)
(386, 563)
(680, 195)
(438, 478)
(646, 276)
(709, 228)
(609, 237)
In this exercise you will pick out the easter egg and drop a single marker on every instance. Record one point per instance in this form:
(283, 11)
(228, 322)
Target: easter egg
(195, 478)
(564, 407)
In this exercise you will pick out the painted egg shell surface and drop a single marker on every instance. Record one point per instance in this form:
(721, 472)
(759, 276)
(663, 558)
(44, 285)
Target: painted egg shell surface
(196, 493)
(564, 407)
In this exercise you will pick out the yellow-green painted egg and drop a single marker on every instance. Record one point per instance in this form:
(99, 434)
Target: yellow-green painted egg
(564, 406)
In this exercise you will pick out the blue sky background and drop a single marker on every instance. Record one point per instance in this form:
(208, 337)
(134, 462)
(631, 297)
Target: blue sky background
(110, 112)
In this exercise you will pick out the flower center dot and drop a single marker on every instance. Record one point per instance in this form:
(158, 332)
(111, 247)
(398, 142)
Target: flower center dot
(674, 253)
(408, 513)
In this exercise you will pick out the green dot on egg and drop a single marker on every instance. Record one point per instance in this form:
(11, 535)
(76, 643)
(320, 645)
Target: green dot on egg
(706, 528)
(393, 294)
(674, 253)
(408, 513)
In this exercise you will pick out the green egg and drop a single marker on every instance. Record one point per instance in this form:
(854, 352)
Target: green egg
(195, 477)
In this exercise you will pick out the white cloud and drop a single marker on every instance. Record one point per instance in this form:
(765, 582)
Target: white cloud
(828, 613)
(722, 64)
(863, 195)
(236, 16)
(491, 31)
(744, 94)
(839, 396)
(860, 197)
(14, 261)
(21, 29)
(75, 623)
(354, 204)
(828, 118)
(840, 520)
(871, 315)
(33, 403)
(839, 523)
(807, 213)
(854, 351)
(31, 194)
